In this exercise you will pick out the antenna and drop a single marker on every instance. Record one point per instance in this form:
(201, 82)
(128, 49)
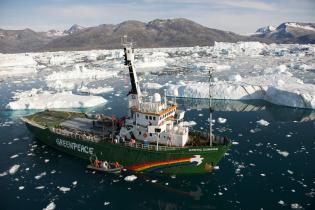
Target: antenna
(210, 108)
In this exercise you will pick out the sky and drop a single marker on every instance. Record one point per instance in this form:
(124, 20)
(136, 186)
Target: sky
(239, 16)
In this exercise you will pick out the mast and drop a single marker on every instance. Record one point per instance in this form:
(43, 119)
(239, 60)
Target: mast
(129, 60)
(210, 110)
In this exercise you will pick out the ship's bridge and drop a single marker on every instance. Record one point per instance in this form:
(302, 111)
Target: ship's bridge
(148, 113)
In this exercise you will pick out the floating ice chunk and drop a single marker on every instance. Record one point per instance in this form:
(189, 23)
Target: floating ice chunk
(39, 176)
(283, 153)
(75, 182)
(21, 187)
(46, 160)
(216, 167)
(282, 68)
(190, 123)
(221, 120)
(39, 187)
(37, 99)
(98, 90)
(50, 206)
(81, 72)
(236, 78)
(263, 122)
(130, 178)
(3, 174)
(290, 172)
(106, 203)
(150, 85)
(262, 174)
(14, 169)
(220, 193)
(281, 202)
(296, 206)
(14, 156)
(64, 189)
(235, 143)
(288, 135)
(154, 181)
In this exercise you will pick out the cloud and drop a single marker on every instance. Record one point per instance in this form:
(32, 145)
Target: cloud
(246, 4)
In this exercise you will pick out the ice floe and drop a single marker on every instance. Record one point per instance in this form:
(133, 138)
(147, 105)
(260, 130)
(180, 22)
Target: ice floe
(81, 72)
(14, 169)
(296, 206)
(262, 122)
(38, 99)
(130, 178)
(39, 176)
(97, 90)
(221, 120)
(50, 206)
(64, 189)
(151, 85)
(283, 153)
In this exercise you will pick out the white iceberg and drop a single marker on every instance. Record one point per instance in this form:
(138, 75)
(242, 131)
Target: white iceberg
(37, 99)
(291, 93)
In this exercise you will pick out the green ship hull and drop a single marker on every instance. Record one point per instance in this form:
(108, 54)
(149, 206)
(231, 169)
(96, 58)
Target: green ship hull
(139, 158)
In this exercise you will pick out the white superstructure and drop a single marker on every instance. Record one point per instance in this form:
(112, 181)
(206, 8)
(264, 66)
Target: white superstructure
(151, 121)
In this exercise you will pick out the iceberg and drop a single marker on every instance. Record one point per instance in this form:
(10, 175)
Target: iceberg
(269, 87)
(38, 99)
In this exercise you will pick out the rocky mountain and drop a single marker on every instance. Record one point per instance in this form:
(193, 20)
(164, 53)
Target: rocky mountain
(265, 30)
(18, 41)
(157, 33)
(74, 29)
(289, 32)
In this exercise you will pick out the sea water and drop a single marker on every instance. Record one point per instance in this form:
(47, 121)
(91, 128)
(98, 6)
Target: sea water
(267, 167)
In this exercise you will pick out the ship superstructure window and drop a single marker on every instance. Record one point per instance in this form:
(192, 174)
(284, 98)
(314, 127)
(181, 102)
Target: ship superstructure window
(150, 134)
(154, 118)
(139, 132)
(146, 117)
(137, 115)
(150, 117)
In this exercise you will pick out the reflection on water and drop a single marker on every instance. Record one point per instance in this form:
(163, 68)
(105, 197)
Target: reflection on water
(279, 113)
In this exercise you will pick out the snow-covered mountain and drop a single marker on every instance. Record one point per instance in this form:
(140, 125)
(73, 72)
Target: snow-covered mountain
(289, 32)
(74, 29)
(266, 29)
(179, 32)
(53, 33)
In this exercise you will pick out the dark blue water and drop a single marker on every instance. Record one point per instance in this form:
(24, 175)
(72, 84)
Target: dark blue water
(253, 175)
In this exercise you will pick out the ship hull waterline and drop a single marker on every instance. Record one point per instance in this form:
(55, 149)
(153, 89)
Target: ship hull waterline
(190, 160)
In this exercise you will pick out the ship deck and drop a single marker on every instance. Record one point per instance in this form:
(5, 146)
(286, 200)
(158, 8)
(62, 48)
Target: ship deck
(49, 118)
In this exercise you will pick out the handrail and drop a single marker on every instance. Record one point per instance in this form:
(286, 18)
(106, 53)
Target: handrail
(149, 146)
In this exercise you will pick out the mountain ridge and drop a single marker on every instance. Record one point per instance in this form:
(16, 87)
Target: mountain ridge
(179, 32)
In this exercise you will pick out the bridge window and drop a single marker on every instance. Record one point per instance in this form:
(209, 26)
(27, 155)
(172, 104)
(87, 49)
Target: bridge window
(146, 117)
(139, 132)
(150, 117)
(150, 134)
(154, 118)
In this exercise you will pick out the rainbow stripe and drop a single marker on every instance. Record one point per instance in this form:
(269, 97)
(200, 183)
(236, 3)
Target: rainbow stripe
(160, 165)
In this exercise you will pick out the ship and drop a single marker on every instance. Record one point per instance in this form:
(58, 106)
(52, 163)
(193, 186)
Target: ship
(152, 138)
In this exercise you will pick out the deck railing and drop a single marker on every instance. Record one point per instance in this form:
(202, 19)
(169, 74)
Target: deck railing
(149, 146)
